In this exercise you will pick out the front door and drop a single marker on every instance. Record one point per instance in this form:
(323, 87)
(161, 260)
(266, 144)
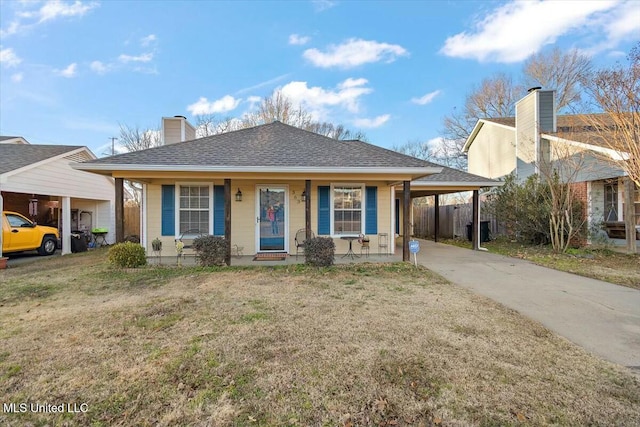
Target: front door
(272, 219)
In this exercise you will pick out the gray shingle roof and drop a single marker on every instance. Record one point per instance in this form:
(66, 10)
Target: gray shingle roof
(450, 175)
(16, 156)
(270, 145)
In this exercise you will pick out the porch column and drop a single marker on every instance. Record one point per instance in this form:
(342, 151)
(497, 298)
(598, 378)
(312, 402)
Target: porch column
(66, 225)
(436, 218)
(307, 209)
(119, 210)
(475, 227)
(227, 219)
(406, 227)
(630, 215)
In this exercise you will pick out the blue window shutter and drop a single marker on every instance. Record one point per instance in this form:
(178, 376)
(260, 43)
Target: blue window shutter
(324, 211)
(218, 210)
(168, 210)
(371, 210)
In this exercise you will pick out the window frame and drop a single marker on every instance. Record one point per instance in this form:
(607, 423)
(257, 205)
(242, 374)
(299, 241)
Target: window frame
(178, 210)
(332, 188)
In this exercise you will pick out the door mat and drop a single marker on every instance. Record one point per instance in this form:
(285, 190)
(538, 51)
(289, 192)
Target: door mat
(271, 256)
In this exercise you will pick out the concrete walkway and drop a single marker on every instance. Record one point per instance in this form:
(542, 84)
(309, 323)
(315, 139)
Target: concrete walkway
(601, 317)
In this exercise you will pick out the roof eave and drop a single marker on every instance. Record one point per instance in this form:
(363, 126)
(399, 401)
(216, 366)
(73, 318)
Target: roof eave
(106, 167)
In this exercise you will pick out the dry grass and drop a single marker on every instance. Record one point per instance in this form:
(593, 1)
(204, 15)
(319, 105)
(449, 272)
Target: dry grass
(597, 263)
(359, 345)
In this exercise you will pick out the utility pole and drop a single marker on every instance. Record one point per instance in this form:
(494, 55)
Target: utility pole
(113, 146)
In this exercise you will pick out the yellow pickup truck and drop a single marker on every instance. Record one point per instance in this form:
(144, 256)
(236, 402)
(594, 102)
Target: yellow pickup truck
(19, 234)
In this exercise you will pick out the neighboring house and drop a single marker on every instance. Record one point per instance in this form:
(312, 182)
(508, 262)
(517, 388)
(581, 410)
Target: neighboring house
(259, 186)
(39, 182)
(537, 136)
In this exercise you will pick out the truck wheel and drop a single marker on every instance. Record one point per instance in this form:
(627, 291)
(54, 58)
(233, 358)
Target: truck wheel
(48, 246)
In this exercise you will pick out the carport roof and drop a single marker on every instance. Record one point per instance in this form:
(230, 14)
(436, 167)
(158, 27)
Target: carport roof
(16, 156)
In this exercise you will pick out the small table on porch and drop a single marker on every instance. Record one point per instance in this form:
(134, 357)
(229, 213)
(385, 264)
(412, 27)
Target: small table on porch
(350, 252)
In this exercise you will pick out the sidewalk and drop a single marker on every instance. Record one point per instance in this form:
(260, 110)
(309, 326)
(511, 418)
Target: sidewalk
(601, 317)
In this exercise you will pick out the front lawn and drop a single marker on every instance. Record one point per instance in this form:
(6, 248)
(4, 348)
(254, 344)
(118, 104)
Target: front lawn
(383, 345)
(602, 264)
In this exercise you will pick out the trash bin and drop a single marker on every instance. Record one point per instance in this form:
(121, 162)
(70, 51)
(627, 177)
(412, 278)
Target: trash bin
(78, 243)
(484, 231)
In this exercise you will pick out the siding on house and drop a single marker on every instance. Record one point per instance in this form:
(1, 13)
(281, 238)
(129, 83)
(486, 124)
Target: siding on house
(243, 214)
(57, 178)
(172, 130)
(493, 152)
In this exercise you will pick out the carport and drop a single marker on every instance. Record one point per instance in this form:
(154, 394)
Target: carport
(38, 182)
(446, 182)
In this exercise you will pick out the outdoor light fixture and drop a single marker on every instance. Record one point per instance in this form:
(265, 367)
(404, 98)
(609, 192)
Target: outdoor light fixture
(304, 195)
(238, 196)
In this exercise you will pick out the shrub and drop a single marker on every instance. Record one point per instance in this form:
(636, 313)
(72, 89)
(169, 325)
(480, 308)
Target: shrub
(127, 255)
(210, 250)
(319, 251)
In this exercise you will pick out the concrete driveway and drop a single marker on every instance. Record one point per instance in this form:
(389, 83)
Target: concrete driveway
(601, 317)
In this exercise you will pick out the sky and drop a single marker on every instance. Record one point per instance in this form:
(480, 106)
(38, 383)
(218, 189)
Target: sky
(71, 72)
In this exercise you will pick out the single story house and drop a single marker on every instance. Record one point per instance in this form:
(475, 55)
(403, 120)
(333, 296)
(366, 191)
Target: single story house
(259, 187)
(538, 136)
(39, 182)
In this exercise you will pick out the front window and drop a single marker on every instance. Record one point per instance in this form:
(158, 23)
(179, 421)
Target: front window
(194, 209)
(347, 209)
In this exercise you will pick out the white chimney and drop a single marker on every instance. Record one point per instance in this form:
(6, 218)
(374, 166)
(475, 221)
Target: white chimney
(177, 129)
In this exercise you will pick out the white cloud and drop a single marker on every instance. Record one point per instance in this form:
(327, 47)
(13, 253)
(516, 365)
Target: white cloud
(354, 52)
(622, 23)
(30, 15)
(316, 99)
(68, 72)
(517, 29)
(204, 106)
(13, 28)
(372, 123)
(56, 8)
(8, 58)
(253, 101)
(146, 41)
(298, 40)
(322, 5)
(99, 67)
(17, 77)
(145, 57)
(424, 100)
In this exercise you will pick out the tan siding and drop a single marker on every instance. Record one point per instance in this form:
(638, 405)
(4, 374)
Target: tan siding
(493, 152)
(243, 214)
(172, 131)
(526, 128)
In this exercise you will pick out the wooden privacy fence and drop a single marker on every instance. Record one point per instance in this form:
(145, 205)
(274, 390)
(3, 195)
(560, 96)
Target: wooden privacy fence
(131, 220)
(453, 221)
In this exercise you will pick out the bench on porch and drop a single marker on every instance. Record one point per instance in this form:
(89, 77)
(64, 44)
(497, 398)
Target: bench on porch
(617, 230)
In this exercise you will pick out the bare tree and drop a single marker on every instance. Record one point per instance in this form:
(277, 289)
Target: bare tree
(496, 96)
(136, 139)
(616, 92)
(274, 107)
(560, 71)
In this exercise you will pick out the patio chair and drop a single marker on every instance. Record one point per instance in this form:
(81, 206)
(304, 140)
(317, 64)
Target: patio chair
(301, 237)
(383, 243)
(364, 244)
